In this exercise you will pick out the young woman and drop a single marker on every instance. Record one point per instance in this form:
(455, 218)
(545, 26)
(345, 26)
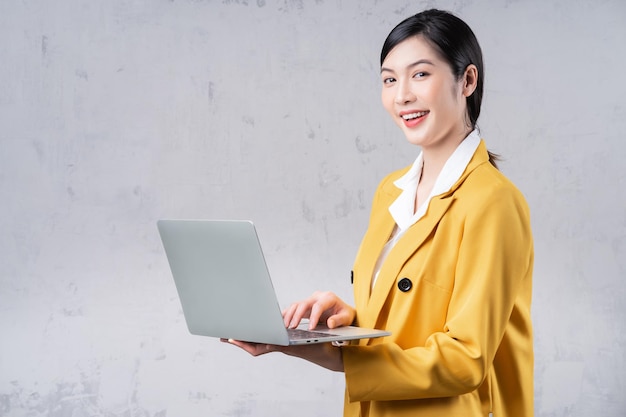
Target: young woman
(446, 263)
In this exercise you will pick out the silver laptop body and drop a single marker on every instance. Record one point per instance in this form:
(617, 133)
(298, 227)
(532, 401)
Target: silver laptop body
(225, 288)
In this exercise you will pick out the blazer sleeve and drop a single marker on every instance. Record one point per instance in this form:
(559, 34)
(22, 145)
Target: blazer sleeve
(493, 269)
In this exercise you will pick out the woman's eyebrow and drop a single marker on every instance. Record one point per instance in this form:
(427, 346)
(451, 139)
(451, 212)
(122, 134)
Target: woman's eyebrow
(414, 64)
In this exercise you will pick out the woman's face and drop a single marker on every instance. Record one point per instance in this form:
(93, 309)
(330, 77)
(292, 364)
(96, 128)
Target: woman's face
(422, 95)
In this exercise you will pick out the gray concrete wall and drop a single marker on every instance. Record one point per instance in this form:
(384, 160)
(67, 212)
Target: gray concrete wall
(114, 114)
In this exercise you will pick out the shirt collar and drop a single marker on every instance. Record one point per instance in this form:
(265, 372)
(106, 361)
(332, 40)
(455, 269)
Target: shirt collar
(402, 209)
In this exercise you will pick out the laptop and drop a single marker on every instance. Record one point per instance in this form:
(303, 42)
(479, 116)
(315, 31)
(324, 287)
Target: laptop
(225, 288)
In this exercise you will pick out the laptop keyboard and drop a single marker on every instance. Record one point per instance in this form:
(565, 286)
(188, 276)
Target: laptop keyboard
(299, 334)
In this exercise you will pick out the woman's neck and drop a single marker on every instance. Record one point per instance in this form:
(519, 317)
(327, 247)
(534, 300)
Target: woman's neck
(435, 157)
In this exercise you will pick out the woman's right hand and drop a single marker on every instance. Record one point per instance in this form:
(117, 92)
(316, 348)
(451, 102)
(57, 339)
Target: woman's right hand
(321, 306)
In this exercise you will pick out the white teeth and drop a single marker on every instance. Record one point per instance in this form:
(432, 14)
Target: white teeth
(414, 115)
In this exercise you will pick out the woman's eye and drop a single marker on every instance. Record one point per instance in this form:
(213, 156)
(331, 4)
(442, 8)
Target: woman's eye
(388, 80)
(420, 75)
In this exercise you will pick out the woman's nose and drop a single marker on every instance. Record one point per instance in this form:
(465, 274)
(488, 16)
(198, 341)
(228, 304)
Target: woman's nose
(404, 94)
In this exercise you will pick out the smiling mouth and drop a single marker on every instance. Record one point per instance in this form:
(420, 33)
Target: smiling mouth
(411, 116)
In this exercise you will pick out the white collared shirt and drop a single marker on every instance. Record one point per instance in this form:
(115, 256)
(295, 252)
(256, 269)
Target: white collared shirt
(403, 208)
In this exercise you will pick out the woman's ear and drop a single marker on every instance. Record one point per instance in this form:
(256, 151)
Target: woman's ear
(470, 80)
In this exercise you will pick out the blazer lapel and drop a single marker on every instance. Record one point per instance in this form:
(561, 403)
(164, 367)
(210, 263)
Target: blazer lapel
(404, 249)
(369, 307)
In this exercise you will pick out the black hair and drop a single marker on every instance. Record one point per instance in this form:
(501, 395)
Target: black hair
(454, 41)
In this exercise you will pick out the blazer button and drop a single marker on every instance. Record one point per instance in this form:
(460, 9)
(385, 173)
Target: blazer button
(405, 284)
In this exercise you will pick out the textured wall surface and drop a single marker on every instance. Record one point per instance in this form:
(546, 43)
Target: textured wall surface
(114, 114)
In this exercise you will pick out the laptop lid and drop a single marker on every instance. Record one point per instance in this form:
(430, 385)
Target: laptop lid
(224, 285)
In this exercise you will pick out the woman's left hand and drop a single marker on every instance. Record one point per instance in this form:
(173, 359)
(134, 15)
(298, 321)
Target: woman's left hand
(255, 349)
(322, 354)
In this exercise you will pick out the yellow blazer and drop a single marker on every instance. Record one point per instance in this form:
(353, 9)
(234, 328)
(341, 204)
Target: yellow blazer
(461, 342)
